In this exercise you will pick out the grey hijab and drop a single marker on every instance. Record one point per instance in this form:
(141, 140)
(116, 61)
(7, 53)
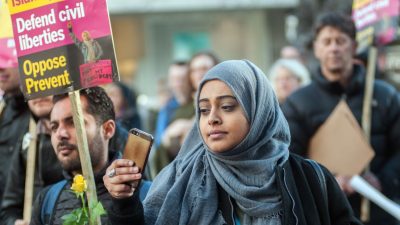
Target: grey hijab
(185, 192)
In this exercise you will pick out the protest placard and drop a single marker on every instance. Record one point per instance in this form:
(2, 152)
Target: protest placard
(376, 22)
(8, 54)
(340, 145)
(62, 45)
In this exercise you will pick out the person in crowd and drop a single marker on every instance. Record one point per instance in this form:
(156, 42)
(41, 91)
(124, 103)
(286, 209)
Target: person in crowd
(291, 52)
(124, 100)
(47, 168)
(90, 48)
(180, 108)
(14, 114)
(47, 171)
(149, 113)
(288, 75)
(234, 166)
(179, 84)
(199, 64)
(99, 117)
(339, 78)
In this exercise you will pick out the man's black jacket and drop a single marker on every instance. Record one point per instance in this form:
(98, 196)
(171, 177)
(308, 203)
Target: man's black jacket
(308, 108)
(47, 171)
(67, 201)
(13, 119)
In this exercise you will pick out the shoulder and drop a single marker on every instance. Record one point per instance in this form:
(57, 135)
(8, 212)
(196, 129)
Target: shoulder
(304, 93)
(298, 161)
(384, 88)
(38, 204)
(386, 95)
(320, 187)
(300, 100)
(306, 166)
(315, 176)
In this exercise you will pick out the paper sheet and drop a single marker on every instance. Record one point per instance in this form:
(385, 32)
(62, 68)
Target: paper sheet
(366, 190)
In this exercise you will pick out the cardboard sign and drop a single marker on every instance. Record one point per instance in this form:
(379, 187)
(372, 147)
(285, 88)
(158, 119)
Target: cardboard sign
(340, 144)
(54, 38)
(376, 22)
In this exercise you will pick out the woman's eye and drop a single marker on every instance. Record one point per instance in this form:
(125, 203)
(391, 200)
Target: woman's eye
(228, 108)
(203, 110)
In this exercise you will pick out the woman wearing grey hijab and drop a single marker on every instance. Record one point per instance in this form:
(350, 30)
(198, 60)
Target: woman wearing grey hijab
(234, 166)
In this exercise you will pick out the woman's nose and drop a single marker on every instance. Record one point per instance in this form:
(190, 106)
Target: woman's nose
(214, 118)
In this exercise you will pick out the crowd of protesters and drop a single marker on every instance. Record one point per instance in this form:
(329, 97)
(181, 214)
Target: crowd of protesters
(230, 144)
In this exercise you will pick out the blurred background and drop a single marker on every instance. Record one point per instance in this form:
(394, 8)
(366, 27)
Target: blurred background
(149, 35)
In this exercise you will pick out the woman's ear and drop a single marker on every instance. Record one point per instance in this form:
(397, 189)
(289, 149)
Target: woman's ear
(109, 129)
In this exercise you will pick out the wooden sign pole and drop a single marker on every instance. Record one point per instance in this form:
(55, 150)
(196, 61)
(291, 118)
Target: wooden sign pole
(2, 105)
(366, 117)
(84, 155)
(30, 171)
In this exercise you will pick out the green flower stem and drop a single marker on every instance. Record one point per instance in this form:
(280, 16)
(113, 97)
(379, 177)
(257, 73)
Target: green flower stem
(83, 204)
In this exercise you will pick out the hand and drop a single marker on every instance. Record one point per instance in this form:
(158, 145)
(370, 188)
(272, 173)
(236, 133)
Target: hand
(122, 178)
(69, 25)
(344, 183)
(21, 222)
(372, 180)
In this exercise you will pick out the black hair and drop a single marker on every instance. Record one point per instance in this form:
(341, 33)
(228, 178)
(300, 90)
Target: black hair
(99, 104)
(129, 96)
(337, 20)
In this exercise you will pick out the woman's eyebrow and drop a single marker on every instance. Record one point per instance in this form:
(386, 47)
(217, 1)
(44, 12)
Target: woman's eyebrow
(226, 96)
(218, 97)
(204, 100)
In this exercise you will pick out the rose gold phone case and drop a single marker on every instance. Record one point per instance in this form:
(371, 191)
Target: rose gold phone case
(138, 147)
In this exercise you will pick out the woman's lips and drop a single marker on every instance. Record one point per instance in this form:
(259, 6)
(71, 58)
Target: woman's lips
(217, 134)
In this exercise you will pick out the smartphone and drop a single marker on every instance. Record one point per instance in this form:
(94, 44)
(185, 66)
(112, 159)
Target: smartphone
(138, 148)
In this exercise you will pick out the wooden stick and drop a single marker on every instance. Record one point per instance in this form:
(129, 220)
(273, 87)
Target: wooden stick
(366, 117)
(2, 105)
(84, 155)
(30, 171)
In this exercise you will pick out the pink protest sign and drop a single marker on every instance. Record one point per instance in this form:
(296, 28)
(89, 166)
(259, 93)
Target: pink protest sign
(8, 54)
(55, 38)
(97, 73)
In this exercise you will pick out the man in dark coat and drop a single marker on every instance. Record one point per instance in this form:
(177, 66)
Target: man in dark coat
(14, 115)
(47, 168)
(339, 78)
